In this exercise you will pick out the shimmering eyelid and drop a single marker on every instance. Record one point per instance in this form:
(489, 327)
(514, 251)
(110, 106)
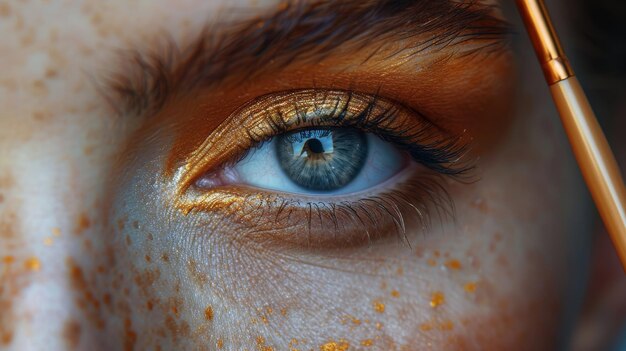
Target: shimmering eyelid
(262, 216)
(275, 114)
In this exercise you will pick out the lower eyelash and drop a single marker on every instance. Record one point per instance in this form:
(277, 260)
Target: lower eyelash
(278, 220)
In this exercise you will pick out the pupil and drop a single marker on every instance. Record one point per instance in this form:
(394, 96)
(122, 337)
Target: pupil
(315, 146)
(322, 159)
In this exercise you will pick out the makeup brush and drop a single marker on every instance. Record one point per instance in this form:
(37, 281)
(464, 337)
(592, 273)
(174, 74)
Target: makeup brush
(594, 156)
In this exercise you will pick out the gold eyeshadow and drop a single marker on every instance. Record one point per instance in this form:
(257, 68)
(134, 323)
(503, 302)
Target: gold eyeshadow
(320, 221)
(266, 116)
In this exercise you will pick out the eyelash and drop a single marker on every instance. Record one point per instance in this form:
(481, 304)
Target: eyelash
(442, 155)
(410, 201)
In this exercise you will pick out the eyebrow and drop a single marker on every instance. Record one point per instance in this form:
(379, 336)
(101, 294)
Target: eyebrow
(303, 32)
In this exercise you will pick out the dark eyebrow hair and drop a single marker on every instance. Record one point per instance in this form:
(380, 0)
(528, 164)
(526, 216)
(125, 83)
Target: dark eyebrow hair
(301, 31)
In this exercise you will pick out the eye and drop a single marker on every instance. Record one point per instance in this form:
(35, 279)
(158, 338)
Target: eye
(330, 161)
(270, 167)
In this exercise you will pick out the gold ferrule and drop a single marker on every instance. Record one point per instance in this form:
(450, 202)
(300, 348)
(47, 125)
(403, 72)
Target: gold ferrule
(555, 65)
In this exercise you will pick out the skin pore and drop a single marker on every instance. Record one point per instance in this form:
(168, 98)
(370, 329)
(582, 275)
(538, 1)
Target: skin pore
(95, 254)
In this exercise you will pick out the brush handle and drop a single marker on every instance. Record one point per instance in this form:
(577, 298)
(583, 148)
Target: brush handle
(595, 159)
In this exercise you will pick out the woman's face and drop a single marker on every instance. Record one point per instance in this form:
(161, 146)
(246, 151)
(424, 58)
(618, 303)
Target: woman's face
(260, 175)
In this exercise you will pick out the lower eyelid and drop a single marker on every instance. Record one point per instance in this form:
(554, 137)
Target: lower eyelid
(403, 205)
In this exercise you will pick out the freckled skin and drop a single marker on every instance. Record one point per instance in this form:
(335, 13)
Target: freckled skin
(117, 268)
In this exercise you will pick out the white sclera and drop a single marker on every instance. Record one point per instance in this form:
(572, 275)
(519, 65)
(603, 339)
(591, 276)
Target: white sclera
(261, 169)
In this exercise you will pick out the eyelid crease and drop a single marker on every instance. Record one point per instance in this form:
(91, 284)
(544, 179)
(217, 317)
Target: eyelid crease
(274, 114)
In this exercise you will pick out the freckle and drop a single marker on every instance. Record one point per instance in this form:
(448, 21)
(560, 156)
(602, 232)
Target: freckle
(447, 325)
(1, 198)
(436, 253)
(148, 258)
(41, 116)
(120, 224)
(7, 337)
(220, 343)
(51, 73)
(431, 262)
(56, 232)
(88, 150)
(470, 287)
(150, 237)
(130, 336)
(437, 299)
(399, 271)
(395, 293)
(82, 223)
(502, 261)
(379, 306)
(208, 313)
(135, 224)
(379, 326)
(128, 241)
(71, 333)
(8, 259)
(367, 342)
(33, 264)
(5, 10)
(426, 327)
(40, 88)
(106, 299)
(283, 311)
(481, 205)
(47, 241)
(165, 257)
(96, 19)
(453, 264)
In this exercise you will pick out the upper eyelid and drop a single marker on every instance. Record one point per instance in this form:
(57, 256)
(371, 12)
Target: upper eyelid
(259, 119)
(293, 33)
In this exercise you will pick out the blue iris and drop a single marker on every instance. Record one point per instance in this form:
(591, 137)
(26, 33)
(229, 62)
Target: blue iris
(322, 159)
(315, 161)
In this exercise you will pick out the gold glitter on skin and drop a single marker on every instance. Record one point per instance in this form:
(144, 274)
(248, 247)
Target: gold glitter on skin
(437, 299)
(395, 293)
(208, 313)
(342, 345)
(453, 264)
(470, 287)
(379, 306)
(33, 264)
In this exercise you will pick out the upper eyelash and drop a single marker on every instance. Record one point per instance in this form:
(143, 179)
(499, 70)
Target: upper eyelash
(444, 155)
